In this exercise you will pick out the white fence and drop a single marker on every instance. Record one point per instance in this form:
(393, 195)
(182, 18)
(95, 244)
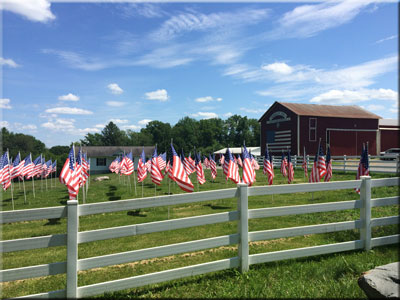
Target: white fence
(345, 163)
(243, 260)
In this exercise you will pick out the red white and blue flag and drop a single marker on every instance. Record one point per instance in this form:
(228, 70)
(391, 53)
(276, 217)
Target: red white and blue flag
(328, 175)
(179, 173)
(213, 166)
(363, 165)
(142, 170)
(283, 165)
(5, 176)
(27, 170)
(199, 169)
(249, 175)
(17, 167)
(162, 161)
(290, 168)
(155, 173)
(321, 163)
(69, 177)
(233, 169)
(304, 164)
(268, 168)
(37, 166)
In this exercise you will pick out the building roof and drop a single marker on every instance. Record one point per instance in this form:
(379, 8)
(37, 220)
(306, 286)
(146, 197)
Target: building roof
(337, 111)
(238, 150)
(99, 151)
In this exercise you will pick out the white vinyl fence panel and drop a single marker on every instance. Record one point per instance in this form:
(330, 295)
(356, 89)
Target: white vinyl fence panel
(242, 238)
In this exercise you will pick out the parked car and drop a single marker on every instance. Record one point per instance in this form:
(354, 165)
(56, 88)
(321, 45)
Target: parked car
(390, 154)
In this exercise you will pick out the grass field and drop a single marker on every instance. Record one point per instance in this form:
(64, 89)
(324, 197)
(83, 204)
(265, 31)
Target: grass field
(320, 276)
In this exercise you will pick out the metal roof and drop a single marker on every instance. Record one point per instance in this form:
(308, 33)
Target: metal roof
(99, 151)
(337, 111)
(389, 122)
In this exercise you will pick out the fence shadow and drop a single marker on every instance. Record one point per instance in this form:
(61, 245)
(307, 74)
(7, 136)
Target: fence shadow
(136, 213)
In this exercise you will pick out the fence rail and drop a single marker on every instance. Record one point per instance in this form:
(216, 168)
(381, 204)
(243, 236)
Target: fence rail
(345, 163)
(242, 238)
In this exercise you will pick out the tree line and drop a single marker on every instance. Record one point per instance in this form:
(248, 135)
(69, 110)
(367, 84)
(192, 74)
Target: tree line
(206, 135)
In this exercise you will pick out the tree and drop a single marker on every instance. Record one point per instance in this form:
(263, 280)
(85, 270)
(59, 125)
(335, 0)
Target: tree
(91, 139)
(113, 136)
(19, 142)
(160, 134)
(185, 134)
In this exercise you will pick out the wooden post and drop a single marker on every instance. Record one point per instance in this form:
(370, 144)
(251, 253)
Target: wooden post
(365, 211)
(243, 227)
(72, 249)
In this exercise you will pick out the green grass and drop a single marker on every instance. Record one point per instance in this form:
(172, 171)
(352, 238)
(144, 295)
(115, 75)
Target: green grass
(320, 276)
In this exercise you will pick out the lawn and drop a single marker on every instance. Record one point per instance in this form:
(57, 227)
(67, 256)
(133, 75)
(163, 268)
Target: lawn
(321, 276)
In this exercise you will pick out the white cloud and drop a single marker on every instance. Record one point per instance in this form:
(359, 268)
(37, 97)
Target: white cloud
(374, 107)
(63, 125)
(5, 103)
(228, 114)
(132, 127)
(85, 130)
(207, 99)
(119, 121)
(147, 10)
(392, 37)
(8, 62)
(115, 103)
(160, 95)
(205, 115)
(165, 57)
(355, 96)
(280, 68)
(68, 111)
(195, 21)
(308, 20)
(29, 127)
(100, 126)
(33, 10)
(4, 124)
(115, 89)
(144, 122)
(68, 97)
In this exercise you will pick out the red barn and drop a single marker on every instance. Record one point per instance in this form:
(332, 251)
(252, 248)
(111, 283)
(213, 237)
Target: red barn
(295, 125)
(389, 131)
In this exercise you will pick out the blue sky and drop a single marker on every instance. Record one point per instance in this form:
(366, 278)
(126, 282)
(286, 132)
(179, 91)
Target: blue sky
(70, 68)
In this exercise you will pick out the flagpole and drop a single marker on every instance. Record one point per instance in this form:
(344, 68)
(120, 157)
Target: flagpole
(23, 181)
(9, 173)
(46, 178)
(33, 180)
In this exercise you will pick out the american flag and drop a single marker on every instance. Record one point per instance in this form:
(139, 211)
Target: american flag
(169, 168)
(283, 165)
(249, 174)
(155, 173)
(141, 169)
(213, 166)
(69, 177)
(321, 162)
(27, 170)
(233, 169)
(239, 161)
(206, 162)
(5, 176)
(222, 160)
(17, 167)
(290, 168)
(363, 165)
(199, 169)
(254, 162)
(148, 165)
(186, 164)
(114, 164)
(314, 175)
(54, 166)
(162, 160)
(37, 166)
(192, 163)
(304, 164)
(268, 167)
(225, 166)
(179, 173)
(85, 164)
(79, 169)
(128, 164)
(47, 169)
(328, 175)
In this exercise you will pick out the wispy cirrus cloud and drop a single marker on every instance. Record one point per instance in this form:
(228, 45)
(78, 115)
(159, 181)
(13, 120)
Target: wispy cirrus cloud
(194, 21)
(207, 99)
(308, 20)
(392, 37)
(115, 103)
(205, 115)
(5, 103)
(355, 96)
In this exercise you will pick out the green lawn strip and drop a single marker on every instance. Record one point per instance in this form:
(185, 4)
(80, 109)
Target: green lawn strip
(55, 254)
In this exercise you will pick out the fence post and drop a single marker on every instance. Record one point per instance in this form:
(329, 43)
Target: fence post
(365, 212)
(243, 227)
(72, 248)
(344, 163)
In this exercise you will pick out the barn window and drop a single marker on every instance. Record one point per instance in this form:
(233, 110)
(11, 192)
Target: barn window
(312, 133)
(101, 161)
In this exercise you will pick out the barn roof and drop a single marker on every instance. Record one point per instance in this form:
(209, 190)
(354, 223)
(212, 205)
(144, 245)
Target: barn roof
(337, 111)
(98, 151)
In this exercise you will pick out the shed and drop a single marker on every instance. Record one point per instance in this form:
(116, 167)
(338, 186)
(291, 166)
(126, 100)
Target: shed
(295, 126)
(101, 156)
(389, 131)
